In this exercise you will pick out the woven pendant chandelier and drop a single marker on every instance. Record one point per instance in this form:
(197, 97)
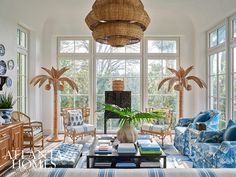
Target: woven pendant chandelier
(117, 22)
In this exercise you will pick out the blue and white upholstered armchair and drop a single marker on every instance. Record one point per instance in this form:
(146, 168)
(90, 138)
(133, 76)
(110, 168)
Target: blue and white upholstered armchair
(74, 123)
(182, 138)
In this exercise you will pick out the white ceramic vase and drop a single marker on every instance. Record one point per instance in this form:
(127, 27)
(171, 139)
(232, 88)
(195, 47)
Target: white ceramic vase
(127, 134)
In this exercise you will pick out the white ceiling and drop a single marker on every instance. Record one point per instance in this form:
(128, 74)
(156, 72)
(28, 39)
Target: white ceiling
(34, 13)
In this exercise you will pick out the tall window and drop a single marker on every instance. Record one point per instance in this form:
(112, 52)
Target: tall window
(233, 65)
(234, 83)
(94, 66)
(75, 54)
(117, 63)
(161, 53)
(217, 70)
(22, 68)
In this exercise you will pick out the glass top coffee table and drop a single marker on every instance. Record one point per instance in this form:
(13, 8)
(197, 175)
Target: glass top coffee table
(115, 160)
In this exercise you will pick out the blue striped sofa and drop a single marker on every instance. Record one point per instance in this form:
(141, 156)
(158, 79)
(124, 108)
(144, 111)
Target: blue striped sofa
(152, 172)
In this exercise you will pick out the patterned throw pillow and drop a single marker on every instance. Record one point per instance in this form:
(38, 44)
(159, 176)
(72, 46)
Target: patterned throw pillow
(202, 117)
(75, 118)
(229, 134)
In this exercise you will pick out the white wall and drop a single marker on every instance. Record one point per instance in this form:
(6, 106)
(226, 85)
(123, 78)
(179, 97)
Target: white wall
(8, 39)
(8, 29)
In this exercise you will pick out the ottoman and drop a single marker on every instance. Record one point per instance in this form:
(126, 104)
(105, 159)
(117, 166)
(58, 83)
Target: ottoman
(64, 156)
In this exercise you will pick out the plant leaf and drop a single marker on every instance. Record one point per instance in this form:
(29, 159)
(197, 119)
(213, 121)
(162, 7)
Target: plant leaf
(163, 81)
(197, 80)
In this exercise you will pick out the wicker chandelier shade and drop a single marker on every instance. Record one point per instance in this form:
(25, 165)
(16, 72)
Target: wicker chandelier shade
(117, 22)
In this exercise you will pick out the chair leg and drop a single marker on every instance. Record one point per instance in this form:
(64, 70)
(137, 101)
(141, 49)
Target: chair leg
(42, 142)
(162, 141)
(73, 140)
(94, 133)
(33, 147)
(64, 138)
(171, 140)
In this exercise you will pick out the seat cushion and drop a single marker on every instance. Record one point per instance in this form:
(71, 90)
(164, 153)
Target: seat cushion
(66, 155)
(82, 128)
(75, 117)
(36, 131)
(180, 130)
(153, 127)
(206, 150)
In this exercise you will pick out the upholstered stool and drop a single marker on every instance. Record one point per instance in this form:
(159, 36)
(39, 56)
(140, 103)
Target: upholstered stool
(64, 156)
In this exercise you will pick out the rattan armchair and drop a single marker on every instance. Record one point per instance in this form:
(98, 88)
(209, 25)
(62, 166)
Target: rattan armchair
(161, 128)
(32, 130)
(74, 127)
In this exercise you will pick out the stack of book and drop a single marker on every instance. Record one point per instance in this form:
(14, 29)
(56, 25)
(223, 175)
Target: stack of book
(125, 165)
(150, 149)
(145, 137)
(108, 142)
(103, 149)
(143, 141)
(126, 148)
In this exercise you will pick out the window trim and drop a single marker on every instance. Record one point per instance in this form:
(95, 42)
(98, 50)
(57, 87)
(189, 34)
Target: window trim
(77, 56)
(156, 56)
(26, 52)
(231, 18)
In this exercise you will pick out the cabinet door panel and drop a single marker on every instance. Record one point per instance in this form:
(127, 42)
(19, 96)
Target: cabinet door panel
(4, 150)
(17, 140)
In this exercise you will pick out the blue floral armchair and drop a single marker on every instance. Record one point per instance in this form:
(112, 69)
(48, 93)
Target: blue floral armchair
(182, 134)
(210, 151)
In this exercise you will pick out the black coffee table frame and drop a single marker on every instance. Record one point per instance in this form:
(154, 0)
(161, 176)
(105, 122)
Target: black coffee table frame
(114, 158)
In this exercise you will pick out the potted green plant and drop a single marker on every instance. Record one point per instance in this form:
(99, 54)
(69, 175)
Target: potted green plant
(6, 106)
(129, 119)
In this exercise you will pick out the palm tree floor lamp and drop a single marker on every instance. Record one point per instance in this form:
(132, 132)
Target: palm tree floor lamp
(180, 81)
(55, 79)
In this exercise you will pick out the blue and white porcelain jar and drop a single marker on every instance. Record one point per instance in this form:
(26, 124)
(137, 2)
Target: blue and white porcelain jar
(6, 115)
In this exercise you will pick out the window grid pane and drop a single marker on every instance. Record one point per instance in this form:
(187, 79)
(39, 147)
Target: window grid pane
(79, 73)
(234, 27)
(108, 70)
(217, 37)
(74, 46)
(156, 72)
(213, 39)
(221, 35)
(103, 48)
(162, 46)
(217, 82)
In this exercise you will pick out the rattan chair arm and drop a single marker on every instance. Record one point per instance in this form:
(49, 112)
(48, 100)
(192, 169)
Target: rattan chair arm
(28, 127)
(36, 124)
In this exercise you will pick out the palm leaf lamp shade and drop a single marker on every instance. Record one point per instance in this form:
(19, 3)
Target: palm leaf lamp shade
(117, 22)
(55, 80)
(180, 82)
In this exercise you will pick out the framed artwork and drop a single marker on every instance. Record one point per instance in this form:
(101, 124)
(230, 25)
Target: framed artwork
(3, 67)
(2, 50)
(10, 64)
(9, 82)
